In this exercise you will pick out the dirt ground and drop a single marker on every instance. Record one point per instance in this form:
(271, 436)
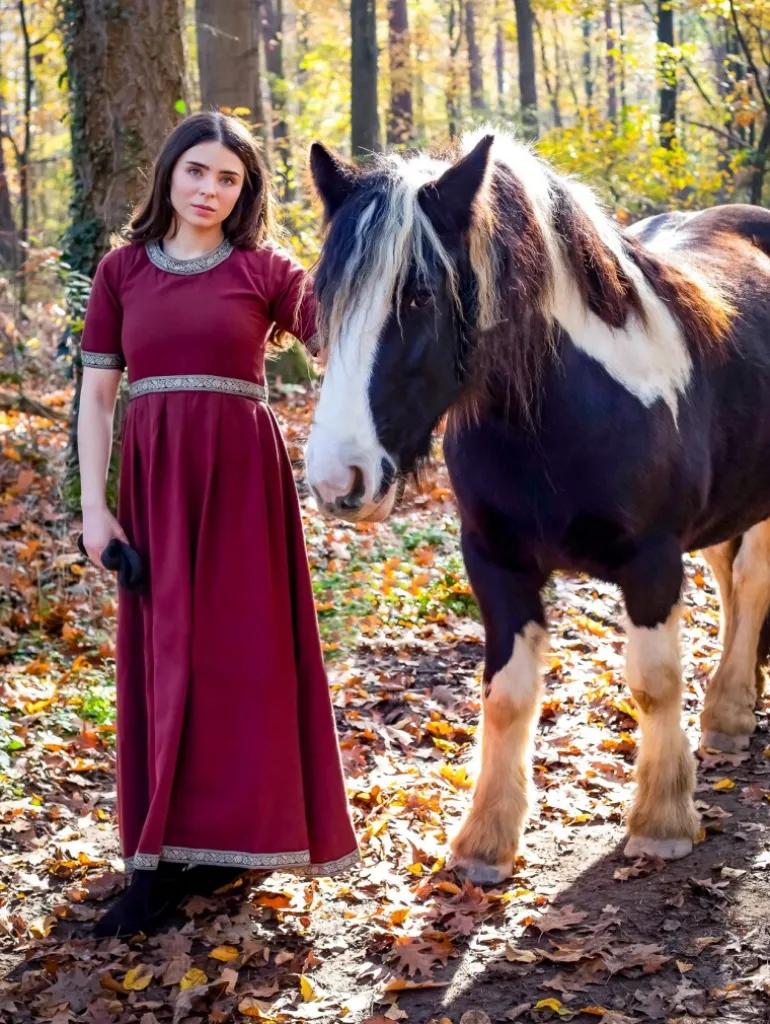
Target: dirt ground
(579, 934)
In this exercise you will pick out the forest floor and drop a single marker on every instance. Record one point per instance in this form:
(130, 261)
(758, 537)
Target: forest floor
(579, 933)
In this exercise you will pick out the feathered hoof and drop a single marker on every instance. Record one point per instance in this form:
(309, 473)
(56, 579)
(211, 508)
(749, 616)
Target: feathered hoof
(481, 873)
(666, 849)
(712, 739)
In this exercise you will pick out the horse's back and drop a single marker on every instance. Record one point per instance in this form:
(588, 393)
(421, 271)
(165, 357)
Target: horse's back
(705, 229)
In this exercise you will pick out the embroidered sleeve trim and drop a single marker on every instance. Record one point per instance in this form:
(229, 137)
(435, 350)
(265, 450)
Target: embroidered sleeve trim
(103, 360)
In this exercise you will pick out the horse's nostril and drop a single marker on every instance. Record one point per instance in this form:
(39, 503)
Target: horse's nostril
(352, 500)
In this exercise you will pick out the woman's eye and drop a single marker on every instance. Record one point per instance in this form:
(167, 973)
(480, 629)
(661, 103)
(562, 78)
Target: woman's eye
(194, 170)
(228, 181)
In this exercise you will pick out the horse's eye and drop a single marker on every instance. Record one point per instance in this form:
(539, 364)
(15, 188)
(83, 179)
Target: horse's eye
(419, 300)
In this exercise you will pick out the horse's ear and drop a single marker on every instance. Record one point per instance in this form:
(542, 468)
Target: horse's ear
(333, 178)
(448, 202)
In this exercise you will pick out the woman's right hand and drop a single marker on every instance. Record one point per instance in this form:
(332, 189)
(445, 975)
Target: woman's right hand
(100, 527)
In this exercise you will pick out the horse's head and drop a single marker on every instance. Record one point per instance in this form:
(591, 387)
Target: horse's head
(397, 301)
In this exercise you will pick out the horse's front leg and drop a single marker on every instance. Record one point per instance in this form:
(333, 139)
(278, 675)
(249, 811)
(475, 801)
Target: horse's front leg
(486, 844)
(663, 820)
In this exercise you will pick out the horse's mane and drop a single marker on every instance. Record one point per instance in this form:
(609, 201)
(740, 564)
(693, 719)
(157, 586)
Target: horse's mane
(537, 240)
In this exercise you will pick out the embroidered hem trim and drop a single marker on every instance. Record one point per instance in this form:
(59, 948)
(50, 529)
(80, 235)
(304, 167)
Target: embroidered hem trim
(296, 862)
(199, 382)
(102, 360)
(196, 266)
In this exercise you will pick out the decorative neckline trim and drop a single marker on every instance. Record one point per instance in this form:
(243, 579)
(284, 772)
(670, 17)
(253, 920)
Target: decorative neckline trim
(195, 266)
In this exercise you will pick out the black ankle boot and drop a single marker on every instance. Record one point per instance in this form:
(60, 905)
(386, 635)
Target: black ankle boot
(150, 898)
(205, 879)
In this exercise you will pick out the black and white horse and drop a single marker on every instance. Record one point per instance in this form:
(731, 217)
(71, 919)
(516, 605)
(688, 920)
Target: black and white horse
(608, 395)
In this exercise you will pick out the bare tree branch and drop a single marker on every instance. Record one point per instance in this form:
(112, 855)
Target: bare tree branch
(691, 75)
(5, 134)
(42, 39)
(20, 401)
(760, 39)
(734, 140)
(749, 57)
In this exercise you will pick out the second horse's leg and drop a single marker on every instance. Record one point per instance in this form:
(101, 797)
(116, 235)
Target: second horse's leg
(728, 718)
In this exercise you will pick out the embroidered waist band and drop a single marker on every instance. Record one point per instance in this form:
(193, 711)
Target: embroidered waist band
(199, 382)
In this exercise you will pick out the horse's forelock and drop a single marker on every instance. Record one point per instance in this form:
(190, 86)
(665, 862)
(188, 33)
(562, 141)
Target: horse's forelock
(376, 239)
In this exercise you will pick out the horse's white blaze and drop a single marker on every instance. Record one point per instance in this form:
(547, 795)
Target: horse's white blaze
(343, 434)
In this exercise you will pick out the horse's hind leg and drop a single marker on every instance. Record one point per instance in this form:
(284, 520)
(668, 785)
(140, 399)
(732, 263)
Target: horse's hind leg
(728, 721)
(721, 559)
(663, 820)
(486, 844)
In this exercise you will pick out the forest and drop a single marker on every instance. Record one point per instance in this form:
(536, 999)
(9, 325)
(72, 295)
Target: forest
(657, 105)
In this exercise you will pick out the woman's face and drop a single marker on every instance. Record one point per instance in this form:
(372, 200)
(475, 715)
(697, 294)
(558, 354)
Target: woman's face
(205, 184)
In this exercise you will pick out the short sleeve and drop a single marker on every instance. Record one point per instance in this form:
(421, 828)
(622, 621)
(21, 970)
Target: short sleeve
(100, 345)
(292, 305)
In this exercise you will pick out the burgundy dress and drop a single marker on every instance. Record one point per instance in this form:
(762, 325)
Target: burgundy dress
(227, 750)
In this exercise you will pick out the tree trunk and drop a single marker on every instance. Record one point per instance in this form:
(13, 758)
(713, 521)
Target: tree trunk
(364, 115)
(9, 249)
(760, 165)
(272, 35)
(401, 120)
(610, 43)
(475, 77)
(622, 55)
(419, 38)
(500, 58)
(230, 59)
(527, 80)
(25, 155)
(666, 73)
(125, 64)
(303, 46)
(588, 81)
(117, 130)
(455, 32)
(562, 63)
(551, 84)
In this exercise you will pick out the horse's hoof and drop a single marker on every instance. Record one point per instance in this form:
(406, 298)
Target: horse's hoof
(666, 849)
(713, 740)
(481, 873)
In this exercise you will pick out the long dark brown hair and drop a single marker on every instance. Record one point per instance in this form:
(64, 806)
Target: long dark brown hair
(251, 221)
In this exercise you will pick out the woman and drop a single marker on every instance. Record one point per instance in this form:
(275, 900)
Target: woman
(227, 751)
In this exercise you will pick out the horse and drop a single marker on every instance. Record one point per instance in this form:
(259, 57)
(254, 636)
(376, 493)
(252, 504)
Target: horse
(606, 400)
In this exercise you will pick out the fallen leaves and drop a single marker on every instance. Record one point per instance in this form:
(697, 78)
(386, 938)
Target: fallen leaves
(407, 704)
(724, 784)
(475, 1017)
(415, 956)
(224, 953)
(640, 868)
(193, 979)
(308, 990)
(559, 919)
(138, 978)
(553, 1004)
